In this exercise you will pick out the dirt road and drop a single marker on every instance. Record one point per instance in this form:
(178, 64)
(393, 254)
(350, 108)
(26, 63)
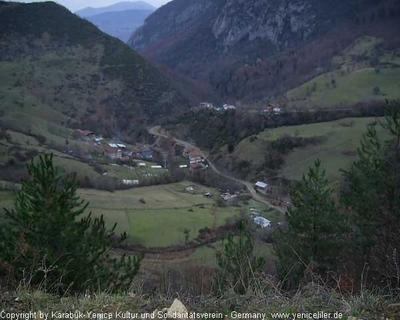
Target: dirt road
(156, 131)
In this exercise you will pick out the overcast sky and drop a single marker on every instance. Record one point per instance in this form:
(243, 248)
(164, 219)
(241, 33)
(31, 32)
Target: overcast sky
(74, 5)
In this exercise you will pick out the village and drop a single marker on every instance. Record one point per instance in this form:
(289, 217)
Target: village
(269, 109)
(141, 157)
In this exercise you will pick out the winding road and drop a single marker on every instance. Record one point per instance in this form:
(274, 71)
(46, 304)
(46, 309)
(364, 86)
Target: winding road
(157, 131)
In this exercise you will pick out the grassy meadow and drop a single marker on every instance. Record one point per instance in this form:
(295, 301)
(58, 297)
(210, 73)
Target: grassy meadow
(364, 72)
(337, 151)
(157, 216)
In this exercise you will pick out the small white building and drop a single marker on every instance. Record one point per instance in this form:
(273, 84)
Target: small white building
(262, 222)
(262, 187)
(130, 182)
(228, 107)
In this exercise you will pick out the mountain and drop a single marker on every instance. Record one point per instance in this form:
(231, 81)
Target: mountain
(120, 24)
(120, 6)
(58, 71)
(249, 51)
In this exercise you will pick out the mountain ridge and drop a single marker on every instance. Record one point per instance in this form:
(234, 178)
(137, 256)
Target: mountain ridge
(116, 7)
(72, 74)
(240, 49)
(120, 24)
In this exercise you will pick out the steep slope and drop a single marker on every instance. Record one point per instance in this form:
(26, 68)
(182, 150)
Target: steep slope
(57, 71)
(120, 24)
(116, 7)
(250, 50)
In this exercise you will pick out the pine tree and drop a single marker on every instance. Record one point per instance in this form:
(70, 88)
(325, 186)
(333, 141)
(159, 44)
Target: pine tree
(372, 194)
(315, 230)
(48, 239)
(237, 265)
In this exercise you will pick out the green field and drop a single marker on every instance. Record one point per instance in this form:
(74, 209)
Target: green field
(349, 89)
(166, 213)
(337, 152)
(362, 72)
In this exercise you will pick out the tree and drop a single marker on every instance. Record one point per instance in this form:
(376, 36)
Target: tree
(48, 238)
(237, 265)
(315, 229)
(372, 195)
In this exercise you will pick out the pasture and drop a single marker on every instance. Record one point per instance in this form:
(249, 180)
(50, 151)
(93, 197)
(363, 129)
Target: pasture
(362, 72)
(337, 151)
(166, 213)
(157, 216)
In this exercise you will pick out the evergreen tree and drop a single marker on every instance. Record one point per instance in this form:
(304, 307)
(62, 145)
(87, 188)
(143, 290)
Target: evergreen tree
(315, 230)
(48, 240)
(372, 195)
(237, 265)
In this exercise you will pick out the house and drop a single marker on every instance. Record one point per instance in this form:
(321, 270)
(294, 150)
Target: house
(262, 187)
(84, 134)
(228, 107)
(229, 198)
(208, 195)
(262, 222)
(189, 190)
(277, 110)
(121, 146)
(112, 153)
(146, 153)
(186, 152)
(195, 156)
(196, 166)
(130, 182)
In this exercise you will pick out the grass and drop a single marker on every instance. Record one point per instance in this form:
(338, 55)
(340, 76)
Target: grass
(6, 199)
(349, 89)
(138, 173)
(337, 152)
(355, 80)
(166, 213)
(311, 298)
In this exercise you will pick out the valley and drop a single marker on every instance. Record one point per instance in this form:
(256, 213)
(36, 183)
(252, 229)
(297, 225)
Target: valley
(237, 145)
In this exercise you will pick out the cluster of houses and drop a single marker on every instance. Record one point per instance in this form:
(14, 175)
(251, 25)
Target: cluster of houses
(114, 150)
(272, 109)
(210, 106)
(195, 157)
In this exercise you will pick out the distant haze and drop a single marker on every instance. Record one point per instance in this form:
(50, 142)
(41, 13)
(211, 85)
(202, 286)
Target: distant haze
(75, 5)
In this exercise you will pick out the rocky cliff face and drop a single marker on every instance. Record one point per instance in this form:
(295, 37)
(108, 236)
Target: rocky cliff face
(208, 40)
(226, 25)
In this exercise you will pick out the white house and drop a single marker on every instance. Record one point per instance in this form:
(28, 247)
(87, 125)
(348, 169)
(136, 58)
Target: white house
(130, 182)
(262, 187)
(262, 222)
(228, 107)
